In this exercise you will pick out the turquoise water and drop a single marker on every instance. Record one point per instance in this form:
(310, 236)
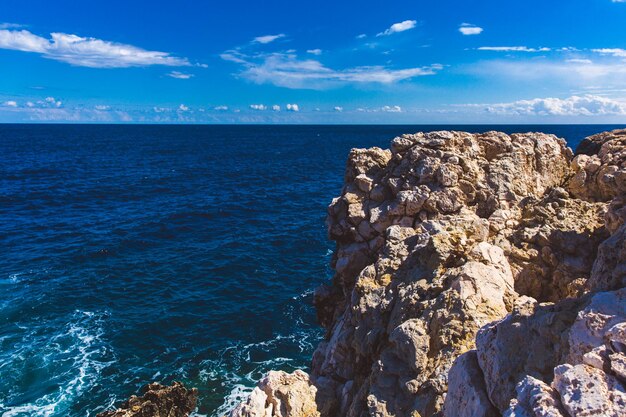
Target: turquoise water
(139, 253)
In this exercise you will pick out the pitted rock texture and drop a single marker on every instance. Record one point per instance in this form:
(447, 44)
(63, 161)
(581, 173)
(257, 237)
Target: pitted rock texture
(281, 394)
(599, 168)
(468, 277)
(158, 401)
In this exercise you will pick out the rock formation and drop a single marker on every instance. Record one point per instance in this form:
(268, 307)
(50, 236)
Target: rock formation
(476, 275)
(158, 401)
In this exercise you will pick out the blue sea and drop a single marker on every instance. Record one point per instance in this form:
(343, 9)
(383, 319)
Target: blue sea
(130, 254)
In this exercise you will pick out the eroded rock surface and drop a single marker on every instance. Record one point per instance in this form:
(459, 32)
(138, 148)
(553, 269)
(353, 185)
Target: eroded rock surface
(476, 275)
(158, 401)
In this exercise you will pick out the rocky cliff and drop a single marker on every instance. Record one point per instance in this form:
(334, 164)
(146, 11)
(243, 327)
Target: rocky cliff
(476, 275)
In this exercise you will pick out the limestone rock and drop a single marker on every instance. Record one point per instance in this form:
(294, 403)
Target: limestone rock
(587, 391)
(530, 341)
(599, 168)
(467, 395)
(280, 394)
(158, 401)
(609, 269)
(555, 244)
(535, 399)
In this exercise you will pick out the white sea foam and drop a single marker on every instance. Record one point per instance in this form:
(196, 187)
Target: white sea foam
(79, 347)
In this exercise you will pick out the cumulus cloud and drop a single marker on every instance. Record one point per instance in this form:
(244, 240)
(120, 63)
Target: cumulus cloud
(338, 109)
(293, 107)
(512, 49)
(180, 75)
(53, 102)
(587, 105)
(287, 70)
(260, 107)
(314, 51)
(102, 107)
(221, 108)
(183, 108)
(45, 103)
(268, 38)
(276, 107)
(86, 52)
(399, 27)
(616, 52)
(361, 36)
(469, 29)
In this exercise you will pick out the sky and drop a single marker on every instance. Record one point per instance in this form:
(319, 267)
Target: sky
(279, 61)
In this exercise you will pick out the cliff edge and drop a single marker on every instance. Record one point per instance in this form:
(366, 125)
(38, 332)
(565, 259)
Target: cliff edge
(476, 275)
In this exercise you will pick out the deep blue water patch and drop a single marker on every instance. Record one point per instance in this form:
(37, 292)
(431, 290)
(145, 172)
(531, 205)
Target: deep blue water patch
(137, 253)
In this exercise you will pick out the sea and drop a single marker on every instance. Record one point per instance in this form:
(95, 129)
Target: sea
(139, 253)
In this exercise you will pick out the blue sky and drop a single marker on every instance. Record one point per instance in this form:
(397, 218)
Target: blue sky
(313, 62)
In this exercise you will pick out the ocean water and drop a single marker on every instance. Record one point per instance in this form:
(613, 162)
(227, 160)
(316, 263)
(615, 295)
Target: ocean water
(130, 254)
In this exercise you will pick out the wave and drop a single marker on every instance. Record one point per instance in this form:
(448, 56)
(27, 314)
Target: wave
(73, 359)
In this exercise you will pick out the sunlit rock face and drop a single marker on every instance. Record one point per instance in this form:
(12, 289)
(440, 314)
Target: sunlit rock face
(476, 275)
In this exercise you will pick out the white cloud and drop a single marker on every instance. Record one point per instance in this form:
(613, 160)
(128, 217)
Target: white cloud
(221, 108)
(338, 109)
(276, 107)
(260, 107)
(361, 36)
(101, 107)
(287, 70)
(314, 51)
(587, 105)
(512, 49)
(618, 1)
(160, 109)
(54, 102)
(616, 52)
(391, 109)
(183, 108)
(565, 73)
(10, 25)
(579, 61)
(293, 107)
(46, 103)
(399, 27)
(469, 29)
(180, 75)
(268, 38)
(86, 52)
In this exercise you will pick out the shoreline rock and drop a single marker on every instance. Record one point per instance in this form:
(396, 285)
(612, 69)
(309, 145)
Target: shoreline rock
(158, 401)
(476, 275)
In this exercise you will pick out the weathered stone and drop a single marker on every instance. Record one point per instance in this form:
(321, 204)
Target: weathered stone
(599, 168)
(467, 394)
(535, 399)
(158, 401)
(280, 394)
(587, 391)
